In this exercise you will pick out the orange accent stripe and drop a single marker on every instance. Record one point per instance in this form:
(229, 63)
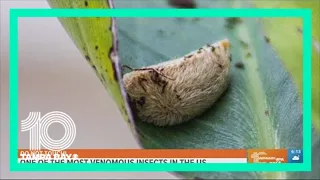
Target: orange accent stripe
(152, 153)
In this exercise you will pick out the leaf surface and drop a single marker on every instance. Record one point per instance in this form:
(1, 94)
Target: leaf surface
(262, 107)
(284, 30)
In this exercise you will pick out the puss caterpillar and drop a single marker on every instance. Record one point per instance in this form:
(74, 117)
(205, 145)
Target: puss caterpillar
(176, 91)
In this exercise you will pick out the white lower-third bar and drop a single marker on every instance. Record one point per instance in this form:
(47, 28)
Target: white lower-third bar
(135, 160)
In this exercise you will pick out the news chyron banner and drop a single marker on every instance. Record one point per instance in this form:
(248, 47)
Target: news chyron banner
(134, 156)
(160, 156)
(43, 149)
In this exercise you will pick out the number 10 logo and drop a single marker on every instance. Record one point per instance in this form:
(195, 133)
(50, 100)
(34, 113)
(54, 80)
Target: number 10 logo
(38, 127)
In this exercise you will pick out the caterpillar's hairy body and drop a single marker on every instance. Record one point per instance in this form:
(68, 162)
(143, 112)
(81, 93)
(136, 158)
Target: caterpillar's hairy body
(178, 90)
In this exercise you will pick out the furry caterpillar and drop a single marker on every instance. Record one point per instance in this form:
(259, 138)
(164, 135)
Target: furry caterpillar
(175, 91)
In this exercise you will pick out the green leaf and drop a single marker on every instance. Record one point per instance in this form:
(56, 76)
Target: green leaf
(284, 30)
(261, 108)
(97, 41)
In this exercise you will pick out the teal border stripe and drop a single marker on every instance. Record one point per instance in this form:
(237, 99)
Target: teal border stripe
(161, 13)
(305, 14)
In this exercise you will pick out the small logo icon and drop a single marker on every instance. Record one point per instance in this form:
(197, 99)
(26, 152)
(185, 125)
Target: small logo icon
(267, 155)
(255, 156)
(295, 156)
(38, 125)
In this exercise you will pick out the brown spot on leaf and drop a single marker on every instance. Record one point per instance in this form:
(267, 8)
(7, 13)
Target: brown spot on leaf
(244, 44)
(267, 39)
(161, 32)
(239, 65)
(94, 67)
(248, 55)
(299, 29)
(266, 112)
(182, 3)
(232, 22)
(87, 58)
